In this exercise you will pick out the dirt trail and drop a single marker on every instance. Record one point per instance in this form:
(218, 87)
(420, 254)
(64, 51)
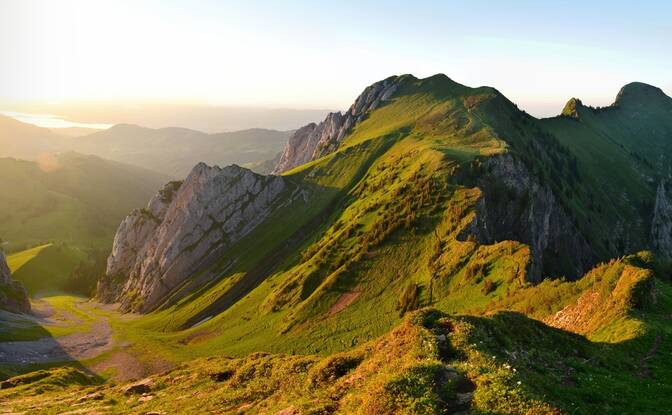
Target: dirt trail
(76, 346)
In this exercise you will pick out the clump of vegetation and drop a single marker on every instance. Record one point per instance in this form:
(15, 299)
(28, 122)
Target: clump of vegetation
(409, 299)
(85, 276)
(488, 287)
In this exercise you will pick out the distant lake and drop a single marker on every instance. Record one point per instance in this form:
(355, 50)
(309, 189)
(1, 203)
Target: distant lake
(51, 121)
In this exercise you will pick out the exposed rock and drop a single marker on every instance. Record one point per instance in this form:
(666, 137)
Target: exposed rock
(183, 229)
(572, 108)
(94, 396)
(139, 388)
(299, 149)
(5, 273)
(222, 376)
(661, 225)
(314, 141)
(516, 206)
(13, 296)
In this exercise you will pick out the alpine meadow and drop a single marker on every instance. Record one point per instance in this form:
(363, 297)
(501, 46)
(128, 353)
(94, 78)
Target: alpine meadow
(435, 248)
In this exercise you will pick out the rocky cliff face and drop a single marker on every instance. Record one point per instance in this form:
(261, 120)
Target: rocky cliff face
(516, 206)
(316, 140)
(661, 225)
(13, 296)
(184, 228)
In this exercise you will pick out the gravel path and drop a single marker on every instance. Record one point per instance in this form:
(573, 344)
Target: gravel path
(75, 346)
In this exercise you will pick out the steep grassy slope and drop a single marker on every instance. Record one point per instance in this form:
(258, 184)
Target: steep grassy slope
(500, 362)
(46, 267)
(623, 154)
(69, 197)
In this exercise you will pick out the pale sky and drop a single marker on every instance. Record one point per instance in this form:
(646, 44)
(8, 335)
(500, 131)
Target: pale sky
(310, 54)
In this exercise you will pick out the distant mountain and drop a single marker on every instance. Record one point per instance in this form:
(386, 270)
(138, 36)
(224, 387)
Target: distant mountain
(172, 151)
(26, 141)
(69, 197)
(73, 131)
(175, 151)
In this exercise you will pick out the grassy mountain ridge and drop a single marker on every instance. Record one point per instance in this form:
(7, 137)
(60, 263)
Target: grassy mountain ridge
(404, 188)
(431, 362)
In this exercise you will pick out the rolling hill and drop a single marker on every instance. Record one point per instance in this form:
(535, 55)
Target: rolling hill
(171, 151)
(174, 151)
(69, 198)
(46, 267)
(26, 141)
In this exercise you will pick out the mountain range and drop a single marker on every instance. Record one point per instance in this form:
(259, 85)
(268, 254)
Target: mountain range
(433, 249)
(171, 151)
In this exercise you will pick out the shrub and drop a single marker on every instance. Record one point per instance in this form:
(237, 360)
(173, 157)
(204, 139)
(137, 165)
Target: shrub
(488, 287)
(410, 299)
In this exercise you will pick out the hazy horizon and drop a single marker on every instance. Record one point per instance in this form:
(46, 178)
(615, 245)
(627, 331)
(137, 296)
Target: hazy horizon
(71, 58)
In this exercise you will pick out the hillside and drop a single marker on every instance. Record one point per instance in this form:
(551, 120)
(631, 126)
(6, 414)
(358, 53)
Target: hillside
(518, 240)
(171, 151)
(26, 141)
(46, 267)
(561, 358)
(69, 197)
(174, 151)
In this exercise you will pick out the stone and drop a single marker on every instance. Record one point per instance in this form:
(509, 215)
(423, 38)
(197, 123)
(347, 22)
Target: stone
(661, 225)
(316, 140)
(138, 388)
(13, 296)
(185, 227)
(532, 216)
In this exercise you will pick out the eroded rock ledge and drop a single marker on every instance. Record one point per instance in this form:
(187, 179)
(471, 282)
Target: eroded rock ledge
(184, 227)
(316, 140)
(13, 296)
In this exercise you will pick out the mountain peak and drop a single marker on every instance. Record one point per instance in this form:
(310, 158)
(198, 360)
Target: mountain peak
(638, 92)
(572, 108)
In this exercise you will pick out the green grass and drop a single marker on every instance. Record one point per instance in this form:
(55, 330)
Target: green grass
(46, 267)
(17, 260)
(81, 201)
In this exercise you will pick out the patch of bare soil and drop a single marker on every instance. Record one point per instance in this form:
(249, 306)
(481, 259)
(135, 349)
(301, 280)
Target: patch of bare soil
(126, 367)
(343, 301)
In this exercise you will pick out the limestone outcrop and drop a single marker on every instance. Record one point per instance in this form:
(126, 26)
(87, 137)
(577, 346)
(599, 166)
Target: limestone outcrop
(316, 140)
(13, 296)
(185, 227)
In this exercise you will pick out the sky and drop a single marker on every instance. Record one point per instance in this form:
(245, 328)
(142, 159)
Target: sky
(321, 55)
